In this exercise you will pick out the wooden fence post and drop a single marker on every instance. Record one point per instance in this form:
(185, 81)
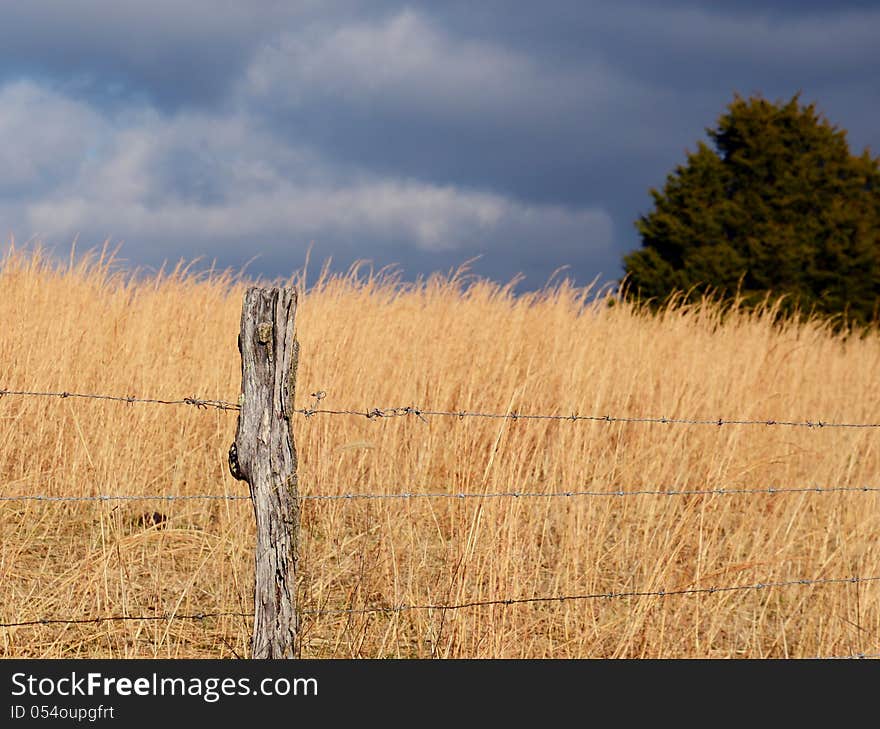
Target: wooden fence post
(264, 455)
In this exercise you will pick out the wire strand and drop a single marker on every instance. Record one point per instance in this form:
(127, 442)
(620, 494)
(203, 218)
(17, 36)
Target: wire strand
(124, 618)
(193, 401)
(459, 495)
(506, 602)
(396, 412)
(595, 596)
(123, 497)
(422, 414)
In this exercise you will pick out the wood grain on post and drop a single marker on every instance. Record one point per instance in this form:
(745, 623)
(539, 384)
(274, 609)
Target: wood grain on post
(264, 455)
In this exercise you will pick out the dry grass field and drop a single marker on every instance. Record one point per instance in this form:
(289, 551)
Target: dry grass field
(448, 343)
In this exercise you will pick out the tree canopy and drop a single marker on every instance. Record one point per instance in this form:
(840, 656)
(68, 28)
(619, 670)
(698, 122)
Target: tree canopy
(776, 206)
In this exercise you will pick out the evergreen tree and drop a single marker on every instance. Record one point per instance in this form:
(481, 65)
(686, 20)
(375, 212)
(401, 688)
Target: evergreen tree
(779, 206)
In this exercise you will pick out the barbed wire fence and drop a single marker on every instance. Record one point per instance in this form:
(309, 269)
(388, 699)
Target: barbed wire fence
(374, 413)
(460, 495)
(423, 414)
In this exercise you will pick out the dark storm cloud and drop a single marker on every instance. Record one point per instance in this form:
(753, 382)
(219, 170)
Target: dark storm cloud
(402, 96)
(175, 54)
(420, 134)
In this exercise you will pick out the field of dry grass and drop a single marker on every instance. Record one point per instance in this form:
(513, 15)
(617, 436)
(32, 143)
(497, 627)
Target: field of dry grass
(446, 344)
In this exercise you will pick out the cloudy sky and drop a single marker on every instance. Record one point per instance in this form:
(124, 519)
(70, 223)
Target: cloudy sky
(420, 134)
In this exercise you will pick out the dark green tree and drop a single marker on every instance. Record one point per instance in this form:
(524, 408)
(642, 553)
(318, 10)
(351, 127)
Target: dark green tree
(779, 206)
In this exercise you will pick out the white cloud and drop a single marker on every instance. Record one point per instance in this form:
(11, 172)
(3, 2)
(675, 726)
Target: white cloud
(195, 176)
(424, 216)
(407, 63)
(43, 138)
(402, 55)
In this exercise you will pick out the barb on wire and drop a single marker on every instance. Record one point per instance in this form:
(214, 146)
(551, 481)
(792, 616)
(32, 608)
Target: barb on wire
(375, 413)
(594, 596)
(122, 618)
(194, 401)
(460, 495)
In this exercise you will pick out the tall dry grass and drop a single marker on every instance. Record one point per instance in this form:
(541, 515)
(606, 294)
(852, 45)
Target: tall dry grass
(445, 343)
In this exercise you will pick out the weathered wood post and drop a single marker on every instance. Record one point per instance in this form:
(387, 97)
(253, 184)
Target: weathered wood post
(264, 455)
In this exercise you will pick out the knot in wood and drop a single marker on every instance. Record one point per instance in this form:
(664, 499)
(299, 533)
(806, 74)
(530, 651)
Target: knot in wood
(264, 332)
(234, 465)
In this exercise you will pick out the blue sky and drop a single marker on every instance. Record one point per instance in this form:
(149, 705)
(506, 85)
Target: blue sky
(420, 134)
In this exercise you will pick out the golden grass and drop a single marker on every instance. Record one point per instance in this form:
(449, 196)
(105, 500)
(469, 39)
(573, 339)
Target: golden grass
(446, 343)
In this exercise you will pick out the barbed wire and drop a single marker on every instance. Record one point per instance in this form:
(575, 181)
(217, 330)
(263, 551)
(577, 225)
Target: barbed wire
(397, 412)
(571, 494)
(595, 596)
(126, 497)
(194, 401)
(375, 413)
(506, 602)
(422, 414)
(237, 614)
(124, 618)
(459, 495)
